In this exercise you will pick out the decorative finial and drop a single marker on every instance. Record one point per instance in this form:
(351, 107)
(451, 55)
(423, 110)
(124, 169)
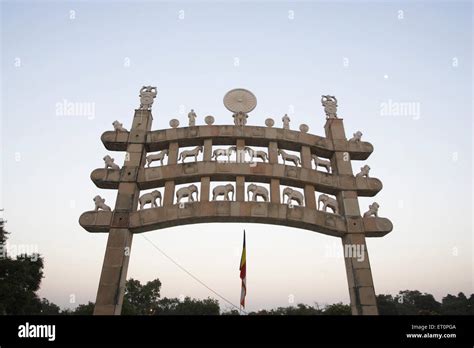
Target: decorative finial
(286, 122)
(147, 95)
(330, 106)
(192, 118)
(240, 101)
(269, 122)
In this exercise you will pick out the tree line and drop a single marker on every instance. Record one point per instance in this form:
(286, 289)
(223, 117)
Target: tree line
(20, 279)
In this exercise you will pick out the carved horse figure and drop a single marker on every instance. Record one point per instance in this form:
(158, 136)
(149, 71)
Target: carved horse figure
(150, 198)
(224, 152)
(257, 191)
(293, 195)
(287, 157)
(256, 153)
(321, 163)
(223, 190)
(187, 191)
(156, 157)
(328, 202)
(190, 153)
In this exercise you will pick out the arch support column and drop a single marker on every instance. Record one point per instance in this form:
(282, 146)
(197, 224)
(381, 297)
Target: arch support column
(356, 257)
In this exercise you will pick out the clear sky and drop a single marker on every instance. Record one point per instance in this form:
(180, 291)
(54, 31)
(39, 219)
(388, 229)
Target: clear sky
(371, 55)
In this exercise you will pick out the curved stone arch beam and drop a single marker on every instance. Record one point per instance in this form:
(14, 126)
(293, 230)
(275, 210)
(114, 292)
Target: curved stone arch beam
(263, 172)
(206, 212)
(227, 135)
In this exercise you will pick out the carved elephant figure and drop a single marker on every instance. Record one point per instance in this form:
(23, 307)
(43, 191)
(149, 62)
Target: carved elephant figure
(373, 210)
(150, 198)
(187, 192)
(257, 191)
(328, 202)
(223, 190)
(100, 203)
(109, 162)
(293, 195)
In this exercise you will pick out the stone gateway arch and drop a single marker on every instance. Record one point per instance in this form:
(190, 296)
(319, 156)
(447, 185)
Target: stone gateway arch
(264, 174)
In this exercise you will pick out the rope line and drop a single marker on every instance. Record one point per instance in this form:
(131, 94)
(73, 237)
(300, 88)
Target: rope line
(191, 275)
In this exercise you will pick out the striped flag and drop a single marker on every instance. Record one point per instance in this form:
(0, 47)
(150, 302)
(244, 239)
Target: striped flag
(243, 275)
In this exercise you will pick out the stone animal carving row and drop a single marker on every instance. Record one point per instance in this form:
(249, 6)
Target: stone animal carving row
(150, 198)
(257, 191)
(293, 195)
(156, 157)
(190, 153)
(188, 192)
(223, 190)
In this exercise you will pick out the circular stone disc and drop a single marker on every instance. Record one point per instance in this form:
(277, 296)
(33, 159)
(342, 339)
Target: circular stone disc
(240, 100)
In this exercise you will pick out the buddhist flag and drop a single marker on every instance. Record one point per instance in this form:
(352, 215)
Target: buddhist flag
(243, 275)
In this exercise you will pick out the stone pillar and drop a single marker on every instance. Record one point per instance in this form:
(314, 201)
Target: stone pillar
(240, 188)
(168, 195)
(240, 180)
(205, 188)
(207, 153)
(309, 197)
(206, 180)
(117, 253)
(359, 274)
(274, 183)
(173, 153)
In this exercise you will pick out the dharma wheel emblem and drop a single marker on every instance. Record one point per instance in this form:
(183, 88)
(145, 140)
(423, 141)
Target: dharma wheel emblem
(240, 101)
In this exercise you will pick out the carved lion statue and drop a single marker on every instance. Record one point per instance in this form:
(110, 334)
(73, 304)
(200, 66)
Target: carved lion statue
(357, 136)
(373, 210)
(364, 171)
(150, 198)
(109, 163)
(100, 203)
(118, 127)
